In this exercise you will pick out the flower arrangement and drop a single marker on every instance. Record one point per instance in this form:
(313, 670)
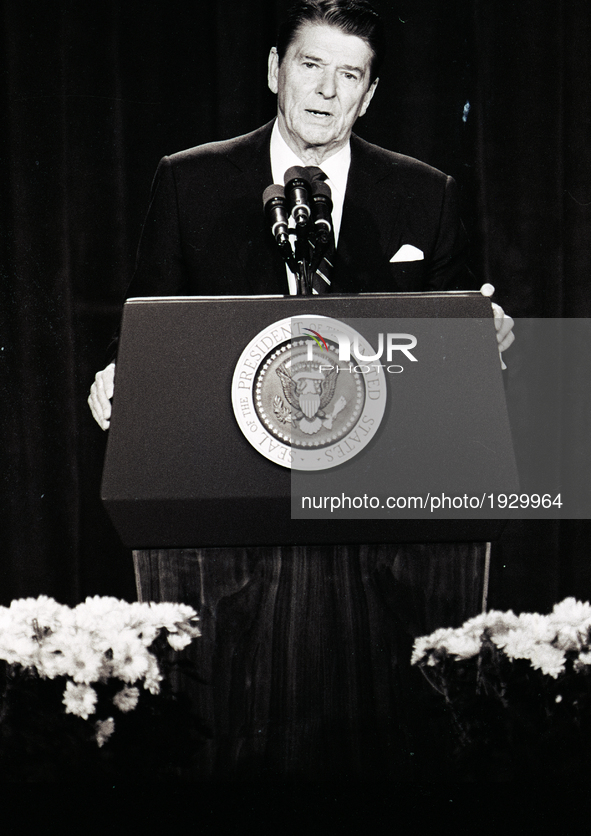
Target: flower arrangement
(517, 689)
(71, 679)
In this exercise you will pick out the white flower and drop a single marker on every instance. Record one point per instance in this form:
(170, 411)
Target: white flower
(153, 677)
(539, 627)
(529, 631)
(127, 698)
(18, 648)
(168, 615)
(101, 617)
(462, 645)
(425, 644)
(100, 607)
(131, 659)
(79, 700)
(569, 638)
(178, 641)
(45, 610)
(465, 641)
(102, 637)
(104, 729)
(523, 643)
(53, 662)
(582, 662)
(85, 662)
(550, 660)
(571, 620)
(493, 621)
(571, 611)
(517, 644)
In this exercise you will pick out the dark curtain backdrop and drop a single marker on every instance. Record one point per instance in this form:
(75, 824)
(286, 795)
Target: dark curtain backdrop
(496, 93)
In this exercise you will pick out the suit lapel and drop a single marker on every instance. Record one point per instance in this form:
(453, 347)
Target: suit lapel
(370, 223)
(252, 157)
(257, 254)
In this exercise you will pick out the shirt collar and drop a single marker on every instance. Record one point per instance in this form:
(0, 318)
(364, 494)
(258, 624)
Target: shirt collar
(336, 167)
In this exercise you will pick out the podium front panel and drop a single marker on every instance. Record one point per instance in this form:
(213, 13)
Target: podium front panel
(179, 471)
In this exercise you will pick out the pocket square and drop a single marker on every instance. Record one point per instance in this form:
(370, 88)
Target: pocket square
(408, 253)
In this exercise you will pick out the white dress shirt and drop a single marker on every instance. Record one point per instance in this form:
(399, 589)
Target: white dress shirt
(336, 169)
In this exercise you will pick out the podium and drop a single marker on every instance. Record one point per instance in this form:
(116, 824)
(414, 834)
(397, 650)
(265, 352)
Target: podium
(307, 623)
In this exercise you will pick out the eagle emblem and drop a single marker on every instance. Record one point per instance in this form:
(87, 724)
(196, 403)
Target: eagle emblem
(309, 391)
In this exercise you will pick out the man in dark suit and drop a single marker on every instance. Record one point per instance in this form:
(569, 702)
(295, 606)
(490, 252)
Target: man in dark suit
(396, 220)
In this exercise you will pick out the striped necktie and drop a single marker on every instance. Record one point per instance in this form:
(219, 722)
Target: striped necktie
(321, 278)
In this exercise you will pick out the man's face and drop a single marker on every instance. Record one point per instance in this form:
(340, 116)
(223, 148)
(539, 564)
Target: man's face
(322, 86)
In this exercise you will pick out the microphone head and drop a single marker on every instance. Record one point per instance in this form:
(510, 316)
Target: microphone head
(297, 172)
(298, 191)
(322, 190)
(273, 191)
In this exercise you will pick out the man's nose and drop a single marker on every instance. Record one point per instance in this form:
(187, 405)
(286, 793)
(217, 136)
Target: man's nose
(327, 84)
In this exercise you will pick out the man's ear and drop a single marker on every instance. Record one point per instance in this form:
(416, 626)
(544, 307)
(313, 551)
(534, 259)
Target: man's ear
(368, 96)
(273, 70)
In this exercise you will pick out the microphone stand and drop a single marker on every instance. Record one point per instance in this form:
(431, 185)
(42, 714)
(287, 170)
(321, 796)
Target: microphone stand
(277, 205)
(302, 257)
(320, 247)
(288, 256)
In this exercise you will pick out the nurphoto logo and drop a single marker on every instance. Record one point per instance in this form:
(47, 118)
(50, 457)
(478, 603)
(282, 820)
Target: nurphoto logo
(394, 342)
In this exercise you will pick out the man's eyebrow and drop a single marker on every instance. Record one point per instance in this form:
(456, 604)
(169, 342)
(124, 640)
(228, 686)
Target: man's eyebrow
(313, 58)
(348, 67)
(353, 69)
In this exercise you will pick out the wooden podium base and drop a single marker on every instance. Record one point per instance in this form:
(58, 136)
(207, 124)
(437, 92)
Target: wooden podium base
(305, 652)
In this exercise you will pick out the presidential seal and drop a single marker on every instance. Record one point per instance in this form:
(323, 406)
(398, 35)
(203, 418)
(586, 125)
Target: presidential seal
(298, 402)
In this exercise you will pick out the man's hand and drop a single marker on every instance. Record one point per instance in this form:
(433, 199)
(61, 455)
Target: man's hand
(100, 396)
(503, 323)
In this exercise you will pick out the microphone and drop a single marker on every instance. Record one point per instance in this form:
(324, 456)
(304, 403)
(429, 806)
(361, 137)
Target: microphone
(297, 191)
(322, 206)
(275, 206)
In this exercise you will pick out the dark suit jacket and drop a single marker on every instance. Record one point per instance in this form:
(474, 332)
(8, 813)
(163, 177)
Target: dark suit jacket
(206, 233)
